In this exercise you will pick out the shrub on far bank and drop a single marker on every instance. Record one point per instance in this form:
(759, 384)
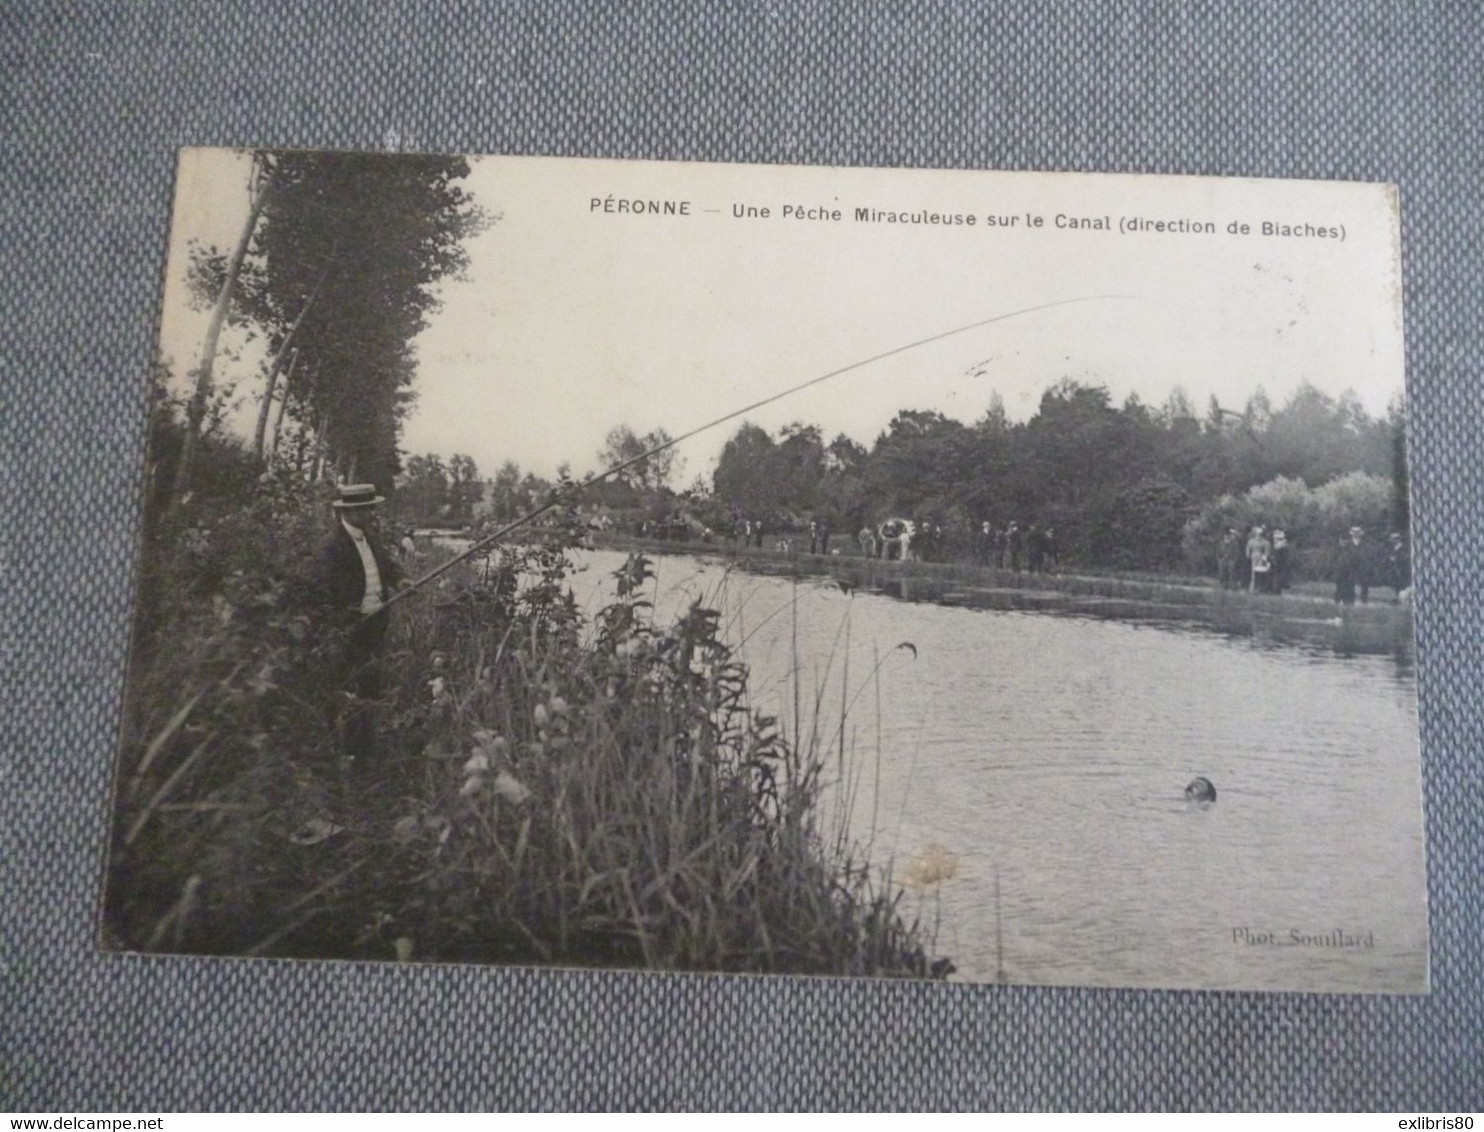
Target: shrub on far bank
(1314, 519)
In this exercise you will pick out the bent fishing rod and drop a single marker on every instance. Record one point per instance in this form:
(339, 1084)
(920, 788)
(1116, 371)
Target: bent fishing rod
(561, 496)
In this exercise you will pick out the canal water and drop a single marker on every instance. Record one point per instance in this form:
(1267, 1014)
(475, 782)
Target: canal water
(1026, 773)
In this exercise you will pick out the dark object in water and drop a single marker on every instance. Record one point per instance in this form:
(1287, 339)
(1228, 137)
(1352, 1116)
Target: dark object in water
(1200, 790)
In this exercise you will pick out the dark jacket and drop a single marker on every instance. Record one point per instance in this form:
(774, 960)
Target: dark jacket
(342, 580)
(1352, 563)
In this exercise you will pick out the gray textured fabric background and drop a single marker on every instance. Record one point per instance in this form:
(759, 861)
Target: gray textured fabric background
(96, 98)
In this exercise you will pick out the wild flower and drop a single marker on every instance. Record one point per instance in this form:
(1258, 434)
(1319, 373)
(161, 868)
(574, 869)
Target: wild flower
(262, 681)
(489, 742)
(507, 786)
(933, 867)
(406, 829)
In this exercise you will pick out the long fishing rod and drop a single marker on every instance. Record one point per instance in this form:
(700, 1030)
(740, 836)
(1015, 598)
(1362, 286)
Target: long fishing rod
(558, 498)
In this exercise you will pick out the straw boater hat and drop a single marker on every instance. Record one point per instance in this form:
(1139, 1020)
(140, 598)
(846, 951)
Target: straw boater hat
(356, 495)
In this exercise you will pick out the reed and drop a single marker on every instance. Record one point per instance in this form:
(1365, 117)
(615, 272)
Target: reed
(548, 789)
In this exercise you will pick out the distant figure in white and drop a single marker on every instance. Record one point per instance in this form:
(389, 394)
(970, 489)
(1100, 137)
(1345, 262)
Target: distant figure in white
(1260, 561)
(897, 533)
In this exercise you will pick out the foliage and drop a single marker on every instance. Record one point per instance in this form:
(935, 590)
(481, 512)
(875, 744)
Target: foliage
(345, 256)
(553, 789)
(916, 464)
(1314, 519)
(616, 798)
(1145, 522)
(653, 474)
(430, 491)
(1117, 483)
(744, 479)
(227, 708)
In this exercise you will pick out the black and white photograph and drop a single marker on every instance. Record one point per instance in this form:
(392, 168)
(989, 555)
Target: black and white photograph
(943, 575)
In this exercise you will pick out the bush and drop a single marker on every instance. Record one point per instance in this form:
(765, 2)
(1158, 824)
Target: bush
(228, 712)
(551, 790)
(1315, 519)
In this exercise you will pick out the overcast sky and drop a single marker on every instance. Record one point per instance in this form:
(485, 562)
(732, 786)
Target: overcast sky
(573, 319)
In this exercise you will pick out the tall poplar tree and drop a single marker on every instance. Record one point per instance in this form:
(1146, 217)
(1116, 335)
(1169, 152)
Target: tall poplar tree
(337, 271)
(352, 248)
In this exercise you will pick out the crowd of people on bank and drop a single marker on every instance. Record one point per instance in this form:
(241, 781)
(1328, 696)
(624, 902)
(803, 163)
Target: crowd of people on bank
(1263, 562)
(1007, 547)
(1010, 547)
(1260, 560)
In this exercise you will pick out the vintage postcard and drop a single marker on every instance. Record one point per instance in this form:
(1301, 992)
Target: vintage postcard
(995, 577)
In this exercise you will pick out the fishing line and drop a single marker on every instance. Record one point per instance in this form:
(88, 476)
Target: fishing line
(558, 498)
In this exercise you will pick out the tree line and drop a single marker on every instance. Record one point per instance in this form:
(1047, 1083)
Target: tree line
(1130, 486)
(433, 491)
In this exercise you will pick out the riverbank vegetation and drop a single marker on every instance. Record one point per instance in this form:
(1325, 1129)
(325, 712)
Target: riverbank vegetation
(1305, 615)
(546, 788)
(1127, 488)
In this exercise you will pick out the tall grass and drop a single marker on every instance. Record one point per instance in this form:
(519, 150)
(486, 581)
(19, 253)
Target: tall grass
(547, 788)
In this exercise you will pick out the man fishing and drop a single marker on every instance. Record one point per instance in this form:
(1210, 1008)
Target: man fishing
(357, 577)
